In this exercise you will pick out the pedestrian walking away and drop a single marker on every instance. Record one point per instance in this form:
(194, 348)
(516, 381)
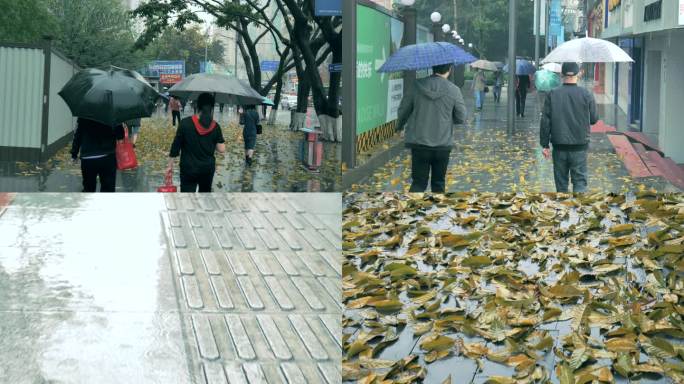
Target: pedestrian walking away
(249, 120)
(429, 116)
(133, 127)
(569, 112)
(175, 105)
(479, 88)
(96, 144)
(198, 138)
(498, 84)
(522, 86)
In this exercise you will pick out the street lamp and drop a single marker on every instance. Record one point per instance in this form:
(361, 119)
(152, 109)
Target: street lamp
(408, 3)
(436, 17)
(446, 28)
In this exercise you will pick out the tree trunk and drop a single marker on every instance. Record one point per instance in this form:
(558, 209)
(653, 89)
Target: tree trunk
(276, 102)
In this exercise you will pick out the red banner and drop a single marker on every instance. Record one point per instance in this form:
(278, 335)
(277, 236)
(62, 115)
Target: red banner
(170, 78)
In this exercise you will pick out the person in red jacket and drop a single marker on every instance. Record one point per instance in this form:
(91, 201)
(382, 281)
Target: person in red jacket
(175, 105)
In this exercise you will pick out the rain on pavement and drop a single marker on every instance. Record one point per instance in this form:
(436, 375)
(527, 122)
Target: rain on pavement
(170, 289)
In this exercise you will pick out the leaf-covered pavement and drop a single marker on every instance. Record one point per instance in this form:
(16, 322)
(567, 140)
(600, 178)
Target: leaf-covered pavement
(513, 288)
(277, 165)
(485, 158)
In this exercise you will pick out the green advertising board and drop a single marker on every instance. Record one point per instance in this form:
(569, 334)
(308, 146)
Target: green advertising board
(373, 48)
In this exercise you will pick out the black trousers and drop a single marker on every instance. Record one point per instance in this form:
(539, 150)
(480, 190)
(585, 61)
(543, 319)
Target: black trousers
(104, 168)
(429, 164)
(175, 115)
(520, 97)
(190, 182)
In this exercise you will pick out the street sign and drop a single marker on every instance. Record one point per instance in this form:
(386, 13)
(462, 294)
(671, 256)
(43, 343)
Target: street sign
(337, 67)
(328, 8)
(269, 66)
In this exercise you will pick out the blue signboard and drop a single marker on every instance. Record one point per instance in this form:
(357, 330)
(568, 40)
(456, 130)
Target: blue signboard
(555, 30)
(328, 8)
(337, 67)
(269, 66)
(166, 67)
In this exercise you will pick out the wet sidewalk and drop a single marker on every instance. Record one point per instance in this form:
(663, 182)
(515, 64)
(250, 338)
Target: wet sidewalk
(170, 289)
(277, 166)
(486, 158)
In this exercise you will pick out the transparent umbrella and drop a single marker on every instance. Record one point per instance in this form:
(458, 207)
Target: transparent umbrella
(587, 50)
(484, 65)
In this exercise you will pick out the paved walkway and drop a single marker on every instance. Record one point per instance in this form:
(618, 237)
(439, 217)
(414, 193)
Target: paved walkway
(170, 289)
(277, 166)
(486, 158)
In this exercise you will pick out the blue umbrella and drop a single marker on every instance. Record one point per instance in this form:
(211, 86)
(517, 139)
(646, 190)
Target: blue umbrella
(522, 67)
(426, 55)
(267, 101)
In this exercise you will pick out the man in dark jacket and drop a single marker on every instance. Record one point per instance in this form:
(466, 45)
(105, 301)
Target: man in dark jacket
(96, 143)
(569, 113)
(198, 137)
(429, 116)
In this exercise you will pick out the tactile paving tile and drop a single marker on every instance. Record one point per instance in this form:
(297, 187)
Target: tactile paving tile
(258, 278)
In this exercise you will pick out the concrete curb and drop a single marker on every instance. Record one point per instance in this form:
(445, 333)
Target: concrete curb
(354, 176)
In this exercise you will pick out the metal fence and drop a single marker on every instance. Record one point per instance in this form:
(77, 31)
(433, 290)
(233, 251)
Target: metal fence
(34, 121)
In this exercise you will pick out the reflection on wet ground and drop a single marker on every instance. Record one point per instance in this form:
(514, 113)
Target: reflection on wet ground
(277, 166)
(486, 158)
(490, 272)
(85, 293)
(178, 288)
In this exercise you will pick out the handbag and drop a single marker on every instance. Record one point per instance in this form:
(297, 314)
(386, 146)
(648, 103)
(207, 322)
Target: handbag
(486, 90)
(125, 154)
(168, 186)
(260, 129)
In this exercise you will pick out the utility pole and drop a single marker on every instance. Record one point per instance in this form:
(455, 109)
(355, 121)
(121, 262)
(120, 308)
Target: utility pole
(349, 89)
(537, 30)
(511, 65)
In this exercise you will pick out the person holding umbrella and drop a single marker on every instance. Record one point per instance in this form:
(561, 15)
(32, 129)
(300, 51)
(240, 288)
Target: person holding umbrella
(569, 113)
(479, 88)
(498, 84)
(249, 119)
(429, 116)
(96, 143)
(197, 139)
(522, 85)
(102, 100)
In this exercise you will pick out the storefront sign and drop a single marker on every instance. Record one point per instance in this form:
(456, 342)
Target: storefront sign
(156, 68)
(653, 11)
(170, 78)
(681, 12)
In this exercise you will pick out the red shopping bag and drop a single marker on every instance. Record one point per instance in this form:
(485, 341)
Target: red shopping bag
(125, 154)
(168, 186)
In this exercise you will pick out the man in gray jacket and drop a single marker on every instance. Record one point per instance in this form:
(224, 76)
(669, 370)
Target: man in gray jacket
(569, 112)
(429, 115)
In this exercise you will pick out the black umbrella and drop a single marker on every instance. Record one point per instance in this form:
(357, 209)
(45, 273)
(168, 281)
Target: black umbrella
(111, 96)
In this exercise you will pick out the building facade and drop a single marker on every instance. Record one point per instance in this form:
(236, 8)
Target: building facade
(650, 90)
